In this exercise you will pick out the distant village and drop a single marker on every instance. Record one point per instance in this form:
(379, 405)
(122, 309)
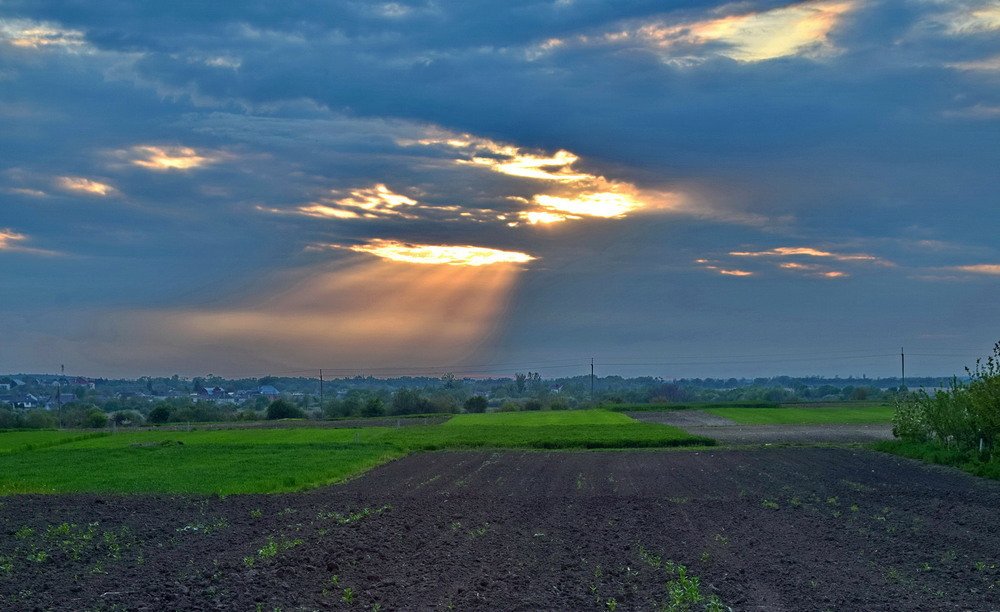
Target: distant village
(22, 393)
(51, 393)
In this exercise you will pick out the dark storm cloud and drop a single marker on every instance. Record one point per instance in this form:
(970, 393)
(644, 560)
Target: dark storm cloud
(191, 154)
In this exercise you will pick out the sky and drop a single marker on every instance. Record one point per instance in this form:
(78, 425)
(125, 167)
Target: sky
(682, 189)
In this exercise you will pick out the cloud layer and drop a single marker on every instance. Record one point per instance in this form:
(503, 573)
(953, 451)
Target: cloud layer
(546, 182)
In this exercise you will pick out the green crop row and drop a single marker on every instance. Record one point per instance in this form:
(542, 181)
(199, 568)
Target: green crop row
(693, 406)
(813, 415)
(275, 460)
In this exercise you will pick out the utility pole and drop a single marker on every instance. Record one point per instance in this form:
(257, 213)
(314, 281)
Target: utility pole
(592, 381)
(902, 369)
(321, 388)
(62, 372)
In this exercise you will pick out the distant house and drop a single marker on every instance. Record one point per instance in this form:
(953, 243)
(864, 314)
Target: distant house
(214, 394)
(269, 391)
(26, 402)
(61, 400)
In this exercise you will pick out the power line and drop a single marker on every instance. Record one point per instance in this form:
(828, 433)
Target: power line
(508, 367)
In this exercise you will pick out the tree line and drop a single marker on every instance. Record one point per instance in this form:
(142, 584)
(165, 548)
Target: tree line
(156, 401)
(965, 416)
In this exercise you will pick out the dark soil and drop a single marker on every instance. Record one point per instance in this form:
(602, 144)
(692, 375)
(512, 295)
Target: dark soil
(770, 529)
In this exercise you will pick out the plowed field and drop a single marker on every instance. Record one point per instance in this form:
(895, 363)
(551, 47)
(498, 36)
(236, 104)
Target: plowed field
(773, 529)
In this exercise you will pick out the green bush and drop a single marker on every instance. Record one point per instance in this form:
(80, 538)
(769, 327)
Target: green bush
(95, 419)
(160, 414)
(965, 417)
(284, 409)
(509, 406)
(476, 404)
(374, 407)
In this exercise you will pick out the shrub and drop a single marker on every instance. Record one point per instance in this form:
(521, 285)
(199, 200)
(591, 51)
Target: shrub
(910, 420)
(409, 401)
(41, 419)
(283, 409)
(374, 407)
(160, 414)
(476, 404)
(966, 416)
(95, 418)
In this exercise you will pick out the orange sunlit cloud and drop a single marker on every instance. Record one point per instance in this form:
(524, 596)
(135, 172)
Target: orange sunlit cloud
(9, 238)
(321, 210)
(527, 165)
(12, 241)
(372, 202)
(798, 29)
(710, 265)
(378, 202)
(375, 198)
(814, 270)
(808, 251)
(963, 21)
(591, 204)
(73, 183)
(440, 254)
(540, 216)
(993, 269)
(568, 194)
(792, 30)
(991, 64)
(34, 35)
(169, 158)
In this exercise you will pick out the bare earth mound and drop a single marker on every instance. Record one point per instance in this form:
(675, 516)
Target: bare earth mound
(774, 529)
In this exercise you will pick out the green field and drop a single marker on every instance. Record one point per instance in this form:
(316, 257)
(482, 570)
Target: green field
(535, 419)
(34, 438)
(813, 415)
(232, 461)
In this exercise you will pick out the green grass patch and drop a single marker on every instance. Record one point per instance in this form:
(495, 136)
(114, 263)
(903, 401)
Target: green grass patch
(626, 435)
(32, 439)
(570, 429)
(224, 437)
(194, 468)
(694, 406)
(557, 418)
(817, 415)
(232, 461)
(967, 461)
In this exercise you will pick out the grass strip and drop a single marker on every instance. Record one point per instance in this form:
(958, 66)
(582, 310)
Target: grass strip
(34, 439)
(965, 460)
(667, 407)
(818, 415)
(628, 435)
(194, 469)
(559, 418)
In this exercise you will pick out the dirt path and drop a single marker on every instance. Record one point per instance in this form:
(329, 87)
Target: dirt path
(728, 432)
(769, 529)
